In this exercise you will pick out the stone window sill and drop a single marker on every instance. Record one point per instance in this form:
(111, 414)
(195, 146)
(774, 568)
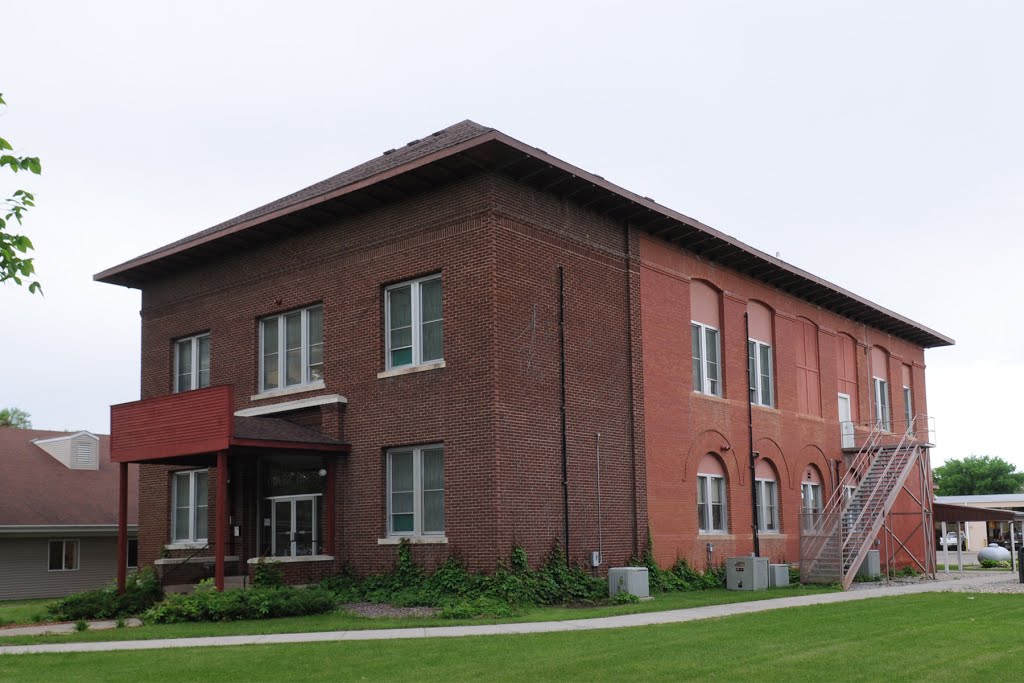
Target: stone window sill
(412, 369)
(288, 391)
(285, 560)
(200, 559)
(185, 546)
(413, 540)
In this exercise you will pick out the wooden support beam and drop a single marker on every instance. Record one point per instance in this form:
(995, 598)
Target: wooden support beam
(221, 526)
(122, 527)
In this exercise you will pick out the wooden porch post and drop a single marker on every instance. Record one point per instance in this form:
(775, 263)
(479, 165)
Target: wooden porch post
(329, 503)
(122, 527)
(222, 520)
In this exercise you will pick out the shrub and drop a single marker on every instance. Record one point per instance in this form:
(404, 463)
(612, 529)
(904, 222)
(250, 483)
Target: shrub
(81, 625)
(994, 564)
(479, 607)
(208, 604)
(625, 598)
(267, 574)
(142, 591)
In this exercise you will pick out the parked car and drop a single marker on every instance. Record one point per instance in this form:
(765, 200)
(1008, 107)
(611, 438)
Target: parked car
(952, 540)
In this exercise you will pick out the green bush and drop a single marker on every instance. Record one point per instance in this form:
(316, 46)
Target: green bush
(680, 577)
(267, 574)
(208, 604)
(995, 564)
(479, 607)
(625, 598)
(142, 591)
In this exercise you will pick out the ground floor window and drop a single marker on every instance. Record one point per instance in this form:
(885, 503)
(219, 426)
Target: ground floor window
(415, 490)
(64, 555)
(767, 505)
(189, 506)
(133, 553)
(811, 504)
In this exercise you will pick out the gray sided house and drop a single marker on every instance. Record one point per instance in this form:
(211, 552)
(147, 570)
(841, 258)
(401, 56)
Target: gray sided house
(58, 513)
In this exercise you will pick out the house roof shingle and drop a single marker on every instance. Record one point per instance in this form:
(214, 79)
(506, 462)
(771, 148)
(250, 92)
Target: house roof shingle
(37, 490)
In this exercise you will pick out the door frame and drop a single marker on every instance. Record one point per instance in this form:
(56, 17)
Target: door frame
(846, 426)
(293, 499)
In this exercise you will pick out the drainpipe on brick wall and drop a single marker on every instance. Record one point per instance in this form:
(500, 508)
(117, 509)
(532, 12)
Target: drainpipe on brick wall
(750, 435)
(565, 441)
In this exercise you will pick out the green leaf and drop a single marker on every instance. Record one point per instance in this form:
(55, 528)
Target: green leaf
(4, 144)
(33, 165)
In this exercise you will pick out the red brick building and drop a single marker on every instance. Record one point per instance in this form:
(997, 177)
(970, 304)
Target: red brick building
(471, 344)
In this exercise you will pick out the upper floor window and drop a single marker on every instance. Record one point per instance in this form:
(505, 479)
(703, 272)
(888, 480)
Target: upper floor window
(846, 374)
(192, 363)
(759, 354)
(880, 387)
(908, 395)
(416, 491)
(711, 508)
(292, 349)
(705, 343)
(706, 372)
(415, 322)
(188, 506)
(766, 492)
(882, 404)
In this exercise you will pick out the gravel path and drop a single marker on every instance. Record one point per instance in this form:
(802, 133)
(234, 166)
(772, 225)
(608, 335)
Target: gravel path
(1000, 582)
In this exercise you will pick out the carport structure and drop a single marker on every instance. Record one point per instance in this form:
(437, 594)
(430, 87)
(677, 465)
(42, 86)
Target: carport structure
(945, 514)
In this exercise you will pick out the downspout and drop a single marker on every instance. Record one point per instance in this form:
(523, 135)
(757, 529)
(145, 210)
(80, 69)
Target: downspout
(565, 439)
(750, 436)
(632, 408)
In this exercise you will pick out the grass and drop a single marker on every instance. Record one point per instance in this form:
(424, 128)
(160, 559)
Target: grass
(23, 611)
(344, 621)
(868, 640)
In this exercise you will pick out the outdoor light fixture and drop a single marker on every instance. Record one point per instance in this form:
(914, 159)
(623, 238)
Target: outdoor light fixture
(322, 472)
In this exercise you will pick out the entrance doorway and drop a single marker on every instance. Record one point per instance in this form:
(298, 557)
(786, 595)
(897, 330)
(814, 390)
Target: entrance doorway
(845, 421)
(294, 521)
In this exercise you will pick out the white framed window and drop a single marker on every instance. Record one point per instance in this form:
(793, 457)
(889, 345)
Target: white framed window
(416, 490)
(767, 492)
(811, 495)
(192, 363)
(292, 349)
(908, 405)
(189, 491)
(759, 362)
(882, 404)
(706, 351)
(414, 328)
(711, 503)
(64, 554)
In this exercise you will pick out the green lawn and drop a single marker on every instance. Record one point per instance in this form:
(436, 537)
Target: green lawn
(899, 638)
(341, 621)
(22, 611)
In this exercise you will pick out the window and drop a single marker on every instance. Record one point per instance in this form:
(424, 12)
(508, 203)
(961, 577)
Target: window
(415, 322)
(767, 505)
(416, 491)
(706, 376)
(64, 555)
(188, 511)
(882, 404)
(759, 362)
(133, 553)
(192, 363)
(292, 349)
(811, 493)
(908, 409)
(711, 510)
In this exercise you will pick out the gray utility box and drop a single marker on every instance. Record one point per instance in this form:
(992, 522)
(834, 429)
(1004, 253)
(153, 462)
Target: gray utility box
(871, 566)
(778, 575)
(746, 573)
(629, 579)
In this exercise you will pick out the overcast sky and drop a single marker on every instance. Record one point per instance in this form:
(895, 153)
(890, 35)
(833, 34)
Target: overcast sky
(878, 145)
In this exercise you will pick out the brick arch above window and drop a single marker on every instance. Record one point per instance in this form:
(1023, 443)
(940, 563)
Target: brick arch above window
(712, 441)
(705, 303)
(771, 451)
(812, 456)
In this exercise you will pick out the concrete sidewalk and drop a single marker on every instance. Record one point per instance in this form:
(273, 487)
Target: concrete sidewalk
(645, 619)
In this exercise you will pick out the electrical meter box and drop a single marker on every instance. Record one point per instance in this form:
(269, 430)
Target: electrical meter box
(630, 580)
(746, 573)
(778, 575)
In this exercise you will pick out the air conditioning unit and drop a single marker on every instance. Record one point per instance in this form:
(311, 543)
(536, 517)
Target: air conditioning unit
(778, 575)
(746, 573)
(629, 579)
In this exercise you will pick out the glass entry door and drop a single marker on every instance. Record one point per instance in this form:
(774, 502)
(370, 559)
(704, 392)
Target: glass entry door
(294, 524)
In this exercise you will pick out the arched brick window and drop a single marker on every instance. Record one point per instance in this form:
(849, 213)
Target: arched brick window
(711, 496)
(759, 354)
(810, 490)
(705, 338)
(766, 488)
(880, 387)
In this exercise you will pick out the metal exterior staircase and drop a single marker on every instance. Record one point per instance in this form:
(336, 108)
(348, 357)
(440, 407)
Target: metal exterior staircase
(834, 543)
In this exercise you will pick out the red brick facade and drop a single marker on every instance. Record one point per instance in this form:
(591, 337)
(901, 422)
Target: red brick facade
(499, 247)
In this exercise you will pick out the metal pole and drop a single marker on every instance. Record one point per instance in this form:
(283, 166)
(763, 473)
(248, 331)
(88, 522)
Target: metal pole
(959, 549)
(945, 548)
(600, 540)
(1013, 548)
(122, 526)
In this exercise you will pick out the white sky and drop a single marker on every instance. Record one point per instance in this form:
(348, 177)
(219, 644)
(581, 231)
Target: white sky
(878, 145)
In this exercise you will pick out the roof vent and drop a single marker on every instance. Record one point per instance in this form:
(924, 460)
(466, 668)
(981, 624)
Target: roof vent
(77, 451)
(411, 143)
(388, 151)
